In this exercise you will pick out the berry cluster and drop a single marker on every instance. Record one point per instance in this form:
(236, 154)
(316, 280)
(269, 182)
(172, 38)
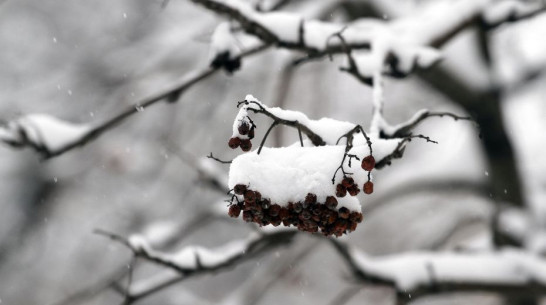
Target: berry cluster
(308, 215)
(246, 133)
(348, 185)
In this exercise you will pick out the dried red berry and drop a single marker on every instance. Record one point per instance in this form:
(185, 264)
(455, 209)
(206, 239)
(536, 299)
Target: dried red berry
(353, 190)
(250, 196)
(247, 216)
(368, 163)
(331, 202)
(368, 187)
(305, 215)
(347, 182)
(352, 226)
(284, 213)
(298, 207)
(341, 191)
(246, 145)
(274, 210)
(239, 189)
(234, 211)
(344, 213)
(310, 199)
(244, 128)
(234, 143)
(258, 196)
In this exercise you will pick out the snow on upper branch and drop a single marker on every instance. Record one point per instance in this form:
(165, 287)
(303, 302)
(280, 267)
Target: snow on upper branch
(511, 10)
(385, 39)
(224, 50)
(42, 132)
(412, 270)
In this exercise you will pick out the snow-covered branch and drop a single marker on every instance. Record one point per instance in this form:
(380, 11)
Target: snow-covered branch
(413, 275)
(194, 260)
(396, 47)
(52, 137)
(511, 11)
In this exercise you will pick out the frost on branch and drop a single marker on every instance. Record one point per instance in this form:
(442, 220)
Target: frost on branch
(224, 51)
(44, 133)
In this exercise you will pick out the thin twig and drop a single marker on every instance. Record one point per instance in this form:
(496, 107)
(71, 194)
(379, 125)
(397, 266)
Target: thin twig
(315, 138)
(210, 156)
(266, 134)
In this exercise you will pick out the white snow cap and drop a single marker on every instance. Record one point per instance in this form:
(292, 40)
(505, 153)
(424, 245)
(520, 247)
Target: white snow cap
(42, 130)
(288, 174)
(223, 41)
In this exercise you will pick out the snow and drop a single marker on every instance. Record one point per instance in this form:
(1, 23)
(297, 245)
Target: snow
(288, 174)
(43, 130)
(507, 9)
(283, 25)
(317, 33)
(193, 257)
(223, 41)
(410, 270)
(328, 129)
(515, 222)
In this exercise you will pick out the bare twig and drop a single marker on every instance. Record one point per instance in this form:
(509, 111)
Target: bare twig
(315, 138)
(210, 156)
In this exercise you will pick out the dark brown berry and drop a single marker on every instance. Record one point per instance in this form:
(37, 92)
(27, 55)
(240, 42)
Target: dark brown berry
(274, 210)
(247, 216)
(251, 133)
(258, 196)
(298, 207)
(344, 213)
(234, 211)
(347, 182)
(368, 187)
(368, 163)
(284, 213)
(356, 217)
(352, 226)
(244, 128)
(239, 189)
(331, 202)
(341, 191)
(305, 215)
(250, 196)
(310, 200)
(353, 190)
(246, 145)
(234, 143)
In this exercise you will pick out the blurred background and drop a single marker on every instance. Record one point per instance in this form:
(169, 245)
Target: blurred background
(85, 61)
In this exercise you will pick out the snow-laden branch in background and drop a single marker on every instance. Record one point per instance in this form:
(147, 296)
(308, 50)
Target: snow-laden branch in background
(394, 47)
(414, 275)
(49, 129)
(44, 133)
(224, 49)
(512, 10)
(194, 260)
(395, 42)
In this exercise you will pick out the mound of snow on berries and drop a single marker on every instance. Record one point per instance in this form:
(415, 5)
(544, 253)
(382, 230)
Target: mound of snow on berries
(288, 174)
